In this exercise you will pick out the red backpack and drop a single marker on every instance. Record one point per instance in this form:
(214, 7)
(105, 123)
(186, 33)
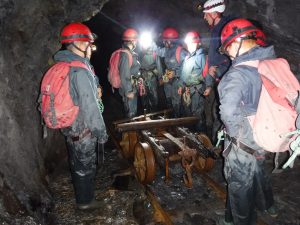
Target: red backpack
(57, 107)
(114, 73)
(276, 113)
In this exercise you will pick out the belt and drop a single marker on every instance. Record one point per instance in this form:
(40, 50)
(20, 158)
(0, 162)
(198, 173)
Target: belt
(241, 145)
(82, 135)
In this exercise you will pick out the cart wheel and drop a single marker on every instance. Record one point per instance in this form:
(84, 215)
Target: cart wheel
(204, 164)
(144, 163)
(129, 139)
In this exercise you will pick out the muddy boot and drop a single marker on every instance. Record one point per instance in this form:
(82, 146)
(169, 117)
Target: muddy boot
(272, 211)
(92, 205)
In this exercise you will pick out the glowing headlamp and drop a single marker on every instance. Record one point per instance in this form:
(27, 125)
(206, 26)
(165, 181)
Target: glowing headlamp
(188, 40)
(146, 40)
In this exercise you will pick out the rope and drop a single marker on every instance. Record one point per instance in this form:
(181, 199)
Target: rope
(187, 97)
(100, 105)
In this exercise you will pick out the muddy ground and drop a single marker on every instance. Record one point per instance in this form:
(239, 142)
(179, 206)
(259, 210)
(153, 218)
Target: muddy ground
(125, 202)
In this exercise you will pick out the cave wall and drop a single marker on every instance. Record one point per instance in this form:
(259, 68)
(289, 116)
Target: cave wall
(29, 37)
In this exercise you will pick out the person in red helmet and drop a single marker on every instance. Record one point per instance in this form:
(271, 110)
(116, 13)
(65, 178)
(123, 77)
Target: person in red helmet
(129, 68)
(88, 128)
(173, 54)
(239, 91)
(196, 85)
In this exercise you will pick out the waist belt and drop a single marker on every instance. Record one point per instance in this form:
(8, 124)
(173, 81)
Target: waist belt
(82, 135)
(241, 145)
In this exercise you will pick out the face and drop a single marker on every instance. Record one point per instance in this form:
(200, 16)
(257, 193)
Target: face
(232, 49)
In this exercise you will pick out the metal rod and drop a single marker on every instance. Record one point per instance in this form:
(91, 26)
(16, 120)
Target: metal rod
(165, 112)
(145, 125)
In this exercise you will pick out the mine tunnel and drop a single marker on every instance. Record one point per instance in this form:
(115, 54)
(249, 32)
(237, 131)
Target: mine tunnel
(35, 181)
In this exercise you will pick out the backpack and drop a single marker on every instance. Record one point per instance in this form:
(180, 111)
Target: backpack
(177, 53)
(57, 107)
(114, 73)
(276, 113)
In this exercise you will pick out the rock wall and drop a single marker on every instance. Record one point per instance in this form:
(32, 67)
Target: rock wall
(29, 37)
(280, 20)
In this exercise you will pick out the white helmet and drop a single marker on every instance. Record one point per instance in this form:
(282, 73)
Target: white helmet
(214, 6)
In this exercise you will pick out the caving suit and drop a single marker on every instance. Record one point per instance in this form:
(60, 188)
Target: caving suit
(222, 62)
(174, 65)
(129, 80)
(248, 184)
(151, 72)
(86, 130)
(194, 84)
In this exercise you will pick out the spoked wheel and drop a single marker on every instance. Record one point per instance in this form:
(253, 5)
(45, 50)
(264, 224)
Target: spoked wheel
(204, 164)
(129, 139)
(144, 163)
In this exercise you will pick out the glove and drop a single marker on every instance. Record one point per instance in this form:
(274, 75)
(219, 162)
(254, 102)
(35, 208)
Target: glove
(103, 139)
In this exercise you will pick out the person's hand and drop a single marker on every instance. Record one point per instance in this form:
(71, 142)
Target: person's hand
(207, 91)
(170, 74)
(212, 71)
(179, 91)
(130, 95)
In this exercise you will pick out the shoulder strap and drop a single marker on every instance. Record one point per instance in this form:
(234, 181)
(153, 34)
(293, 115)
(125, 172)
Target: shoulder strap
(154, 55)
(130, 59)
(205, 69)
(178, 51)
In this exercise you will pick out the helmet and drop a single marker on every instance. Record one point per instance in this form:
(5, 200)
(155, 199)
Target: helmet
(76, 32)
(130, 34)
(192, 37)
(261, 38)
(170, 34)
(214, 6)
(235, 29)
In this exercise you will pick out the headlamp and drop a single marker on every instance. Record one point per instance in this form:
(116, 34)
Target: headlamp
(146, 40)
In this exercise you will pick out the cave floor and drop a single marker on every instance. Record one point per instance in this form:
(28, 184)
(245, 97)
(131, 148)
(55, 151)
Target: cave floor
(125, 201)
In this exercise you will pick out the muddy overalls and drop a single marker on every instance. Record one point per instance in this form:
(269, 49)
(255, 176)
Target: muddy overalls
(193, 101)
(171, 83)
(129, 76)
(151, 72)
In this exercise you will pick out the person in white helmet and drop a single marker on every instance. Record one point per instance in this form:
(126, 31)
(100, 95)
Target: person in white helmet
(213, 15)
(218, 63)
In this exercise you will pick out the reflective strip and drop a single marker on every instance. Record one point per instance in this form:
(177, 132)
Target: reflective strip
(76, 36)
(237, 32)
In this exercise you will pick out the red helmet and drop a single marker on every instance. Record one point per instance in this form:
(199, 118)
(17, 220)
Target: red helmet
(76, 32)
(192, 37)
(130, 35)
(261, 38)
(170, 34)
(235, 29)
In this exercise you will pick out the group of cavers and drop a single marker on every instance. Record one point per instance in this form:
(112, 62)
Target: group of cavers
(257, 100)
(183, 79)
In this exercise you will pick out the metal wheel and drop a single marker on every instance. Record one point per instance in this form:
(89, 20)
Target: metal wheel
(144, 163)
(129, 139)
(204, 164)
